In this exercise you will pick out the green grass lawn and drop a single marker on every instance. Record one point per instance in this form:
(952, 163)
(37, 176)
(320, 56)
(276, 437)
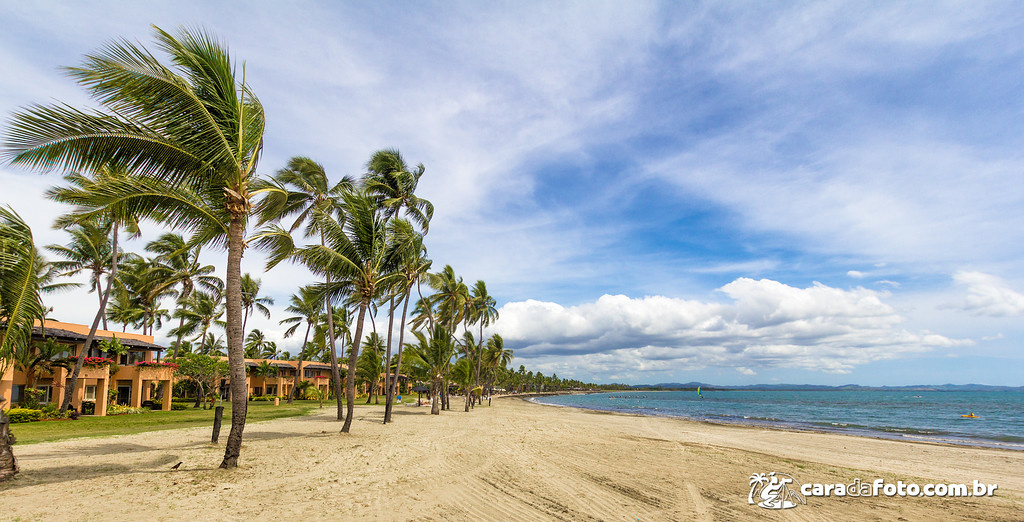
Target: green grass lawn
(88, 426)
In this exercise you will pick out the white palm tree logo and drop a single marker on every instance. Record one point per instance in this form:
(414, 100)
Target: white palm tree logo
(773, 491)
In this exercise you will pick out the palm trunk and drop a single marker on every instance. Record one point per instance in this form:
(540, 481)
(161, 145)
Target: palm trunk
(479, 358)
(350, 375)
(8, 462)
(398, 367)
(177, 345)
(298, 373)
(99, 295)
(335, 371)
(387, 360)
(435, 406)
(236, 353)
(245, 319)
(69, 391)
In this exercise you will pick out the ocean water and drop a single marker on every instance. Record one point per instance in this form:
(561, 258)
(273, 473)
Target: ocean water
(908, 415)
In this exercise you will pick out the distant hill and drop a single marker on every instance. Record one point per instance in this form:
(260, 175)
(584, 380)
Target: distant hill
(816, 387)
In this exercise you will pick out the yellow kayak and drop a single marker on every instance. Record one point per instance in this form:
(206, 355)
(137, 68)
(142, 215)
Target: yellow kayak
(971, 416)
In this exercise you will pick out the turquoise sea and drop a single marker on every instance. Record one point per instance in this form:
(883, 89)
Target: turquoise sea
(908, 415)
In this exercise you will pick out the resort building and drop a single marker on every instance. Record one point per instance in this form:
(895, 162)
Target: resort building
(138, 374)
(134, 382)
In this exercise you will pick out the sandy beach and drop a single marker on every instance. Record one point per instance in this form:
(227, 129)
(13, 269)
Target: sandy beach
(514, 460)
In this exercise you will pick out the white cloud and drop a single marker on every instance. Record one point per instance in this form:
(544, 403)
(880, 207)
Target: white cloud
(989, 295)
(856, 274)
(767, 325)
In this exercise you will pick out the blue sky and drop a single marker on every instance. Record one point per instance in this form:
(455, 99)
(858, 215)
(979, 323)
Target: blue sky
(732, 193)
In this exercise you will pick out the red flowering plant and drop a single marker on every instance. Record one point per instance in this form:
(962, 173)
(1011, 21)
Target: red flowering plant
(155, 364)
(92, 362)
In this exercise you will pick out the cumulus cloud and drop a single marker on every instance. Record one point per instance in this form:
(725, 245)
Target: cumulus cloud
(767, 324)
(989, 295)
(856, 273)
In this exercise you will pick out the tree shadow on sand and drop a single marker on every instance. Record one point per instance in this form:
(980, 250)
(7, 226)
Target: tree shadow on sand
(56, 474)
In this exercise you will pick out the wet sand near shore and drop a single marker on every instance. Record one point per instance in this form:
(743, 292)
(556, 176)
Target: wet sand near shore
(512, 461)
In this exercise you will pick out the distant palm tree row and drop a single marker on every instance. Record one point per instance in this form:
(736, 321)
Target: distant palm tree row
(179, 145)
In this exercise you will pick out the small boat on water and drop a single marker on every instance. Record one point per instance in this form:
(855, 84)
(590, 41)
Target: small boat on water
(971, 416)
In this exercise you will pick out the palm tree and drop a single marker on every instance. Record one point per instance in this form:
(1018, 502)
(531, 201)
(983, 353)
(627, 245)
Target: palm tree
(200, 312)
(143, 283)
(256, 344)
(451, 297)
(495, 357)
(359, 262)
(462, 374)
(371, 365)
(190, 134)
(308, 306)
(42, 358)
(251, 299)
(433, 356)
(393, 183)
(413, 264)
(182, 262)
(481, 311)
(80, 192)
(20, 306)
(88, 251)
(302, 188)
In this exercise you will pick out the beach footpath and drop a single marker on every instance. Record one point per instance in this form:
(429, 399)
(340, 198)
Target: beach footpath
(514, 460)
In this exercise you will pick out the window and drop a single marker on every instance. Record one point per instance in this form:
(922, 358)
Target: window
(47, 395)
(17, 393)
(90, 392)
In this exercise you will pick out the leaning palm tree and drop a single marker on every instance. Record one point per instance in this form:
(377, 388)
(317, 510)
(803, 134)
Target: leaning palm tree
(190, 134)
(251, 300)
(20, 307)
(79, 192)
(302, 189)
(308, 307)
(359, 261)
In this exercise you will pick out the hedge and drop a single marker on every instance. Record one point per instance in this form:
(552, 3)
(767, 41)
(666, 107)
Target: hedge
(23, 415)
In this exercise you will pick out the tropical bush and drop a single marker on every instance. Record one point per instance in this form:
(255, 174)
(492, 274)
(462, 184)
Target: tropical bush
(117, 409)
(30, 398)
(263, 398)
(23, 415)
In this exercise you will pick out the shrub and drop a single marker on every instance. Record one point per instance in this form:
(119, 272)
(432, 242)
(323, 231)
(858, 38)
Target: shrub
(178, 406)
(30, 399)
(117, 409)
(23, 415)
(51, 411)
(88, 408)
(263, 398)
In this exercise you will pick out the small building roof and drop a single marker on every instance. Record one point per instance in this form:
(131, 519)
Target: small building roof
(70, 336)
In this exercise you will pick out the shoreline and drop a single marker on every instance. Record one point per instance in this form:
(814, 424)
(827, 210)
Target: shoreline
(793, 426)
(511, 461)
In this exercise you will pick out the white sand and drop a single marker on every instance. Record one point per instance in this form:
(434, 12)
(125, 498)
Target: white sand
(511, 461)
